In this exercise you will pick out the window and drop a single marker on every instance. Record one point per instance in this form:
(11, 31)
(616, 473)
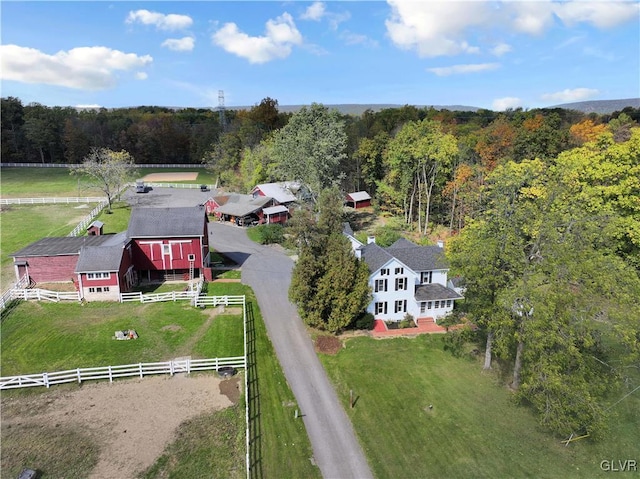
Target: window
(437, 305)
(401, 306)
(423, 307)
(399, 270)
(401, 283)
(448, 303)
(98, 275)
(92, 290)
(380, 285)
(384, 271)
(429, 305)
(166, 249)
(381, 308)
(426, 277)
(103, 289)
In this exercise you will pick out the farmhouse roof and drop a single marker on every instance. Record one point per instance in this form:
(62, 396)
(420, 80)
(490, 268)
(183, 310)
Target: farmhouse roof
(375, 256)
(60, 246)
(359, 196)
(242, 205)
(281, 192)
(99, 258)
(434, 292)
(156, 222)
(418, 258)
(347, 230)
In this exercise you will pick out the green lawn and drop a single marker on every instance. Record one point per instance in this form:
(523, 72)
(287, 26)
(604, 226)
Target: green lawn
(39, 337)
(473, 428)
(41, 182)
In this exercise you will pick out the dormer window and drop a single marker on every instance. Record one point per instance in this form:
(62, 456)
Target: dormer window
(426, 277)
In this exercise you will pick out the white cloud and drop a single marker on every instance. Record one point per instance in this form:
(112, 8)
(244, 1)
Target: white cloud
(159, 20)
(461, 69)
(185, 44)
(501, 104)
(351, 38)
(336, 19)
(315, 12)
(84, 68)
(568, 95)
(141, 75)
(500, 49)
(434, 28)
(281, 35)
(599, 14)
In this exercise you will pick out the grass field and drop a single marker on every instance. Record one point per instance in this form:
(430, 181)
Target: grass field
(40, 337)
(473, 429)
(41, 182)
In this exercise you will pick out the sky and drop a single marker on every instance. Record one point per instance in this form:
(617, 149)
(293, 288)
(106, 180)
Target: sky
(486, 54)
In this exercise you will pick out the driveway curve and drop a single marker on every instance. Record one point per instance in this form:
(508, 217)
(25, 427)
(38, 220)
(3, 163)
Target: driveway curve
(267, 270)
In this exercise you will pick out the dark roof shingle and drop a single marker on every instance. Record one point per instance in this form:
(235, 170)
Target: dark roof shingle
(434, 292)
(60, 246)
(166, 222)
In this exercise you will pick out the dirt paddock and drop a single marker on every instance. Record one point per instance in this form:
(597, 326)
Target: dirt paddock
(133, 419)
(171, 176)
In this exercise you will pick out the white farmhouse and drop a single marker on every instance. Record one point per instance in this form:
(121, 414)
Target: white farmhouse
(406, 278)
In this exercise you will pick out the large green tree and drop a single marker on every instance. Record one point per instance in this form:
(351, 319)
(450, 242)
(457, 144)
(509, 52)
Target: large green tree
(544, 284)
(329, 285)
(415, 161)
(310, 148)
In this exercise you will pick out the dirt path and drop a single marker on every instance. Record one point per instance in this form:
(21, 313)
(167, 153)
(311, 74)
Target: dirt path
(134, 419)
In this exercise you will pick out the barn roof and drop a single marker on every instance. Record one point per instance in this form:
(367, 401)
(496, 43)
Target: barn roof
(281, 192)
(359, 196)
(242, 205)
(272, 210)
(106, 257)
(165, 222)
(60, 246)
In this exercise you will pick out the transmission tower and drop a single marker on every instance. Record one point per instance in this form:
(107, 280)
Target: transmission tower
(221, 110)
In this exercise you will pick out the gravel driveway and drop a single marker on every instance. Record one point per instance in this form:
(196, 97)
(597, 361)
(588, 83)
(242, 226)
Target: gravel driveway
(268, 271)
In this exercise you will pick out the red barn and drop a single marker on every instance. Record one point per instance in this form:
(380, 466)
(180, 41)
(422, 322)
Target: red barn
(53, 259)
(169, 243)
(107, 270)
(359, 199)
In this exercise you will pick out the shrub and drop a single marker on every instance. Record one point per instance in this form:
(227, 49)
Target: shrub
(267, 234)
(364, 321)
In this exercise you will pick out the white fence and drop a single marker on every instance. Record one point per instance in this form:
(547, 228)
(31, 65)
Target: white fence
(40, 201)
(43, 295)
(114, 372)
(157, 297)
(219, 300)
(177, 185)
(66, 165)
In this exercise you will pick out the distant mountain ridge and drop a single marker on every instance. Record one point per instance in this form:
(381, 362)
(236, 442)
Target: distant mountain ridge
(600, 107)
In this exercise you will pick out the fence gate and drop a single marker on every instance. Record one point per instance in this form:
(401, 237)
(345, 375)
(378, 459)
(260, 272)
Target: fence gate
(181, 365)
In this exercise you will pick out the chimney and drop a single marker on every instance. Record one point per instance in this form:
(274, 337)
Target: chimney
(371, 239)
(358, 253)
(440, 243)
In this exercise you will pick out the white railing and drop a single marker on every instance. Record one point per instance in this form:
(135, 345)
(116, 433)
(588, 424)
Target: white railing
(219, 300)
(114, 372)
(40, 201)
(157, 297)
(43, 294)
(177, 185)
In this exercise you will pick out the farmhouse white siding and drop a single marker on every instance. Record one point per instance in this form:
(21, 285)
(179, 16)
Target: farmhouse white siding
(406, 279)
